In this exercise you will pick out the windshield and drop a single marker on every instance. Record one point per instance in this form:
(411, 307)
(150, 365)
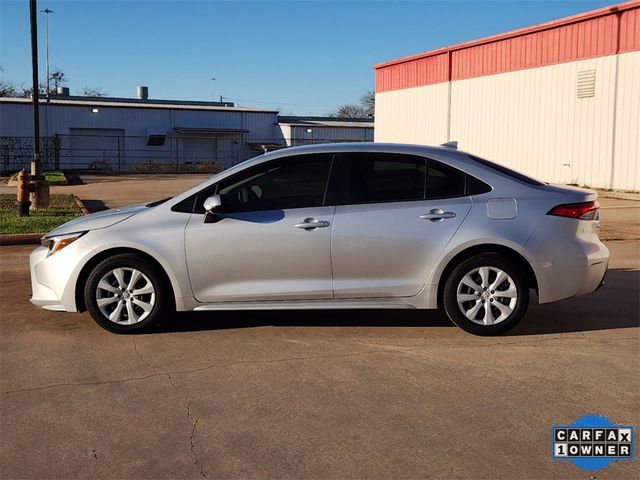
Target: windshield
(158, 202)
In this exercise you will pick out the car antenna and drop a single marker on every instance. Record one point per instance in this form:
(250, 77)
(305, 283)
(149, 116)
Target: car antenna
(452, 145)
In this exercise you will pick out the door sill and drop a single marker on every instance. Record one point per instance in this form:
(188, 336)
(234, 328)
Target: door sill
(395, 303)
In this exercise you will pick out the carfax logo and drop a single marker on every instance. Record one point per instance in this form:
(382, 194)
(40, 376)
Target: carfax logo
(592, 442)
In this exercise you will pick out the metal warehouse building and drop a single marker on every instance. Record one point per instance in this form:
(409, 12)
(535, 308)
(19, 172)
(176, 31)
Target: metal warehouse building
(306, 130)
(559, 101)
(103, 133)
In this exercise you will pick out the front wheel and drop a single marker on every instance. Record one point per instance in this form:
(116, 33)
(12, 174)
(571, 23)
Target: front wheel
(126, 294)
(486, 295)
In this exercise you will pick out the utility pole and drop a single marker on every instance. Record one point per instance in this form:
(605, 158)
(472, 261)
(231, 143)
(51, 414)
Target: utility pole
(47, 12)
(40, 189)
(212, 80)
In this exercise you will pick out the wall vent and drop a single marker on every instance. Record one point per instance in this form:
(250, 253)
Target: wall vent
(586, 85)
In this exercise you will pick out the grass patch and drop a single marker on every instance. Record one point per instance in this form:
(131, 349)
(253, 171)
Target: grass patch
(53, 176)
(62, 209)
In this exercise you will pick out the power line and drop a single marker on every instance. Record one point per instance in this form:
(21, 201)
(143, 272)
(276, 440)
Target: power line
(282, 103)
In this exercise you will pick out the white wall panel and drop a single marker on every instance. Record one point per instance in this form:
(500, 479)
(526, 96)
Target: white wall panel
(413, 115)
(626, 173)
(532, 120)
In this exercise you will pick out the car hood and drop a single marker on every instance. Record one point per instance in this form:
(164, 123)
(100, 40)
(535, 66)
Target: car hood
(97, 220)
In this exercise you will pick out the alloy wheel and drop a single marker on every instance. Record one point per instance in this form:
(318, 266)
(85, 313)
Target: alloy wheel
(487, 295)
(125, 296)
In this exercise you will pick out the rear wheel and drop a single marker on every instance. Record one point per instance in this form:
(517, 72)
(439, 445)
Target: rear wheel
(126, 293)
(486, 295)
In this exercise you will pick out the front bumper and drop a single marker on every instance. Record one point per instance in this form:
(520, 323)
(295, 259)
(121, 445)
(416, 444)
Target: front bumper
(53, 277)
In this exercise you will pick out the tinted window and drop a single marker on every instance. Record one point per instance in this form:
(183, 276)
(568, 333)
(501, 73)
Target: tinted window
(294, 182)
(476, 187)
(380, 177)
(507, 171)
(444, 181)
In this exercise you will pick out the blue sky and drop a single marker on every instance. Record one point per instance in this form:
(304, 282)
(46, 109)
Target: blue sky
(307, 57)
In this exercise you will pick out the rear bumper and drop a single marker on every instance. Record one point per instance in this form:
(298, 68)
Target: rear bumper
(567, 257)
(594, 277)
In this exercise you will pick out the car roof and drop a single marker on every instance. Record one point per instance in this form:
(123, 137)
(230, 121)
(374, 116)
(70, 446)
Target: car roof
(367, 147)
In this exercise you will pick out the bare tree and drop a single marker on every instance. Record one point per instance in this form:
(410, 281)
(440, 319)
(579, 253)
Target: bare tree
(365, 108)
(7, 88)
(93, 92)
(58, 78)
(368, 103)
(349, 111)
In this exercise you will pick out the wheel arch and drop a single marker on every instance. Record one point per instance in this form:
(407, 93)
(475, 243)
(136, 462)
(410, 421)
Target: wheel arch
(96, 259)
(474, 250)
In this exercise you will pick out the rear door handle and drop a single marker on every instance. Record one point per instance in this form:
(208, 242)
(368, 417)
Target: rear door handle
(437, 215)
(312, 223)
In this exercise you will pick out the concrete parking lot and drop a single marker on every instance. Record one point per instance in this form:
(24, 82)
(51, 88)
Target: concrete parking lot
(336, 394)
(113, 191)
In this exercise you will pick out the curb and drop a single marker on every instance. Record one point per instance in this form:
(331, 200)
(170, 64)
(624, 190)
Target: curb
(34, 238)
(14, 183)
(21, 239)
(81, 205)
(620, 195)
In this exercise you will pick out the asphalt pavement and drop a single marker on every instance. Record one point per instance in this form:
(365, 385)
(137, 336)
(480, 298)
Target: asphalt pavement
(314, 394)
(334, 394)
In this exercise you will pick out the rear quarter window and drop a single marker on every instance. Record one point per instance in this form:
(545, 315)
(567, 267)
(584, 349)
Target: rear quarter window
(507, 171)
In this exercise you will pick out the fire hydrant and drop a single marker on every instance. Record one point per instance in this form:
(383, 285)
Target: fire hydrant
(24, 188)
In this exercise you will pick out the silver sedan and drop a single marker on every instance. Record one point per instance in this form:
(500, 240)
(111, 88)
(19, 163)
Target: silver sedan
(332, 226)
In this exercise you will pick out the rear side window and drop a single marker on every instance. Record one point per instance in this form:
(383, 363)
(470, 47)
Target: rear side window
(507, 171)
(444, 181)
(383, 177)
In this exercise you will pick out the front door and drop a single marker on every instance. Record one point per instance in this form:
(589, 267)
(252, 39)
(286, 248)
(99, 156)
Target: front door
(389, 233)
(274, 244)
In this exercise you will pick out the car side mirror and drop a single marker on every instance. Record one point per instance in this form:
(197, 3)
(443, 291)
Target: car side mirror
(212, 204)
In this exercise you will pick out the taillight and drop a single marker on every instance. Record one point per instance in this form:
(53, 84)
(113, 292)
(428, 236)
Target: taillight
(582, 211)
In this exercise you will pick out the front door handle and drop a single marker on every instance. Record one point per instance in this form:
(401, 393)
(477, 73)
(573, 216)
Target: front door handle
(312, 224)
(437, 215)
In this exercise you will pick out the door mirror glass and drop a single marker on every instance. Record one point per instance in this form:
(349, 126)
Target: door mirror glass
(257, 190)
(212, 204)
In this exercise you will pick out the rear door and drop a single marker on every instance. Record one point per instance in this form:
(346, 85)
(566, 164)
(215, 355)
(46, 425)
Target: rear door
(397, 214)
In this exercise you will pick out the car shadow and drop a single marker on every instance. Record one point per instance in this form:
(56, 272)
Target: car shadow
(615, 305)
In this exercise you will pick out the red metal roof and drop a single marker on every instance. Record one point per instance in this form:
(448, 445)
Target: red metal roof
(606, 31)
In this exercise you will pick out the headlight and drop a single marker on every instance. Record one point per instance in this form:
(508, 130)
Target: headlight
(58, 242)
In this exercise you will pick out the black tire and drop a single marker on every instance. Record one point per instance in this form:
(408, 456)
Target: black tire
(453, 310)
(163, 304)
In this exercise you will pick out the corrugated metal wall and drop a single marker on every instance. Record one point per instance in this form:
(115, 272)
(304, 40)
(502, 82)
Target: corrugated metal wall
(73, 120)
(514, 99)
(414, 115)
(298, 135)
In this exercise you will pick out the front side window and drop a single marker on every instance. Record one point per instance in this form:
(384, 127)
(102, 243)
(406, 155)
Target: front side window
(293, 182)
(384, 177)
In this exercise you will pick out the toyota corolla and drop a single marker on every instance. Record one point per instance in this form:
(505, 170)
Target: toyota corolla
(332, 226)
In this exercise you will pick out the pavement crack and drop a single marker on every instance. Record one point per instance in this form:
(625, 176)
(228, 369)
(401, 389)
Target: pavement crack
(139, 355)
(194, 421)
(380, 349)
(194, 425)
(187, 371)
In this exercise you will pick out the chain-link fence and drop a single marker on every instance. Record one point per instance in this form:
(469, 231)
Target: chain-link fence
(142, 154)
